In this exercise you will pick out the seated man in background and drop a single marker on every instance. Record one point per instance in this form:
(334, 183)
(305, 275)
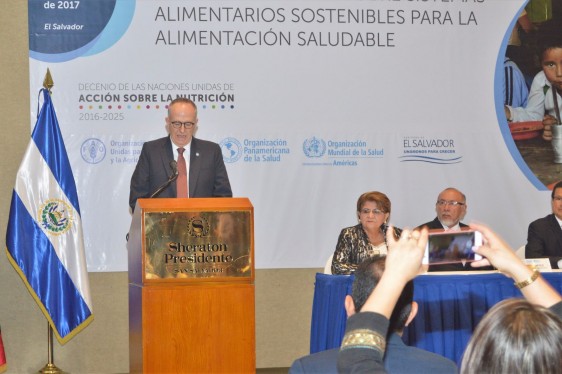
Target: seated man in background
(450, 208)
(399, 357)
(544, 238)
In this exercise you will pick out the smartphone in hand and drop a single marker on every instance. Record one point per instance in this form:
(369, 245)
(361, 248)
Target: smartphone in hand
(449, 247)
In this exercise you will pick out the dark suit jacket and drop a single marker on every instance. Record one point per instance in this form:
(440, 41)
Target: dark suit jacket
(544, 239)
(207, 173)
(399, 358)
(434, 225)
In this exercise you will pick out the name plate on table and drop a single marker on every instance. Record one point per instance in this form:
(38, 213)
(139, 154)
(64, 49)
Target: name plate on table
(195, 244)
(541, 264)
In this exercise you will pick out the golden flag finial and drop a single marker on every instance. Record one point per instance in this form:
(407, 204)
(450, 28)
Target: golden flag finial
(48, 81)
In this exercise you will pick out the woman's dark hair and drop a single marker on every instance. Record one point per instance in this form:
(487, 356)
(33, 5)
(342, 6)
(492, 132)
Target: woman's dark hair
(515, 336)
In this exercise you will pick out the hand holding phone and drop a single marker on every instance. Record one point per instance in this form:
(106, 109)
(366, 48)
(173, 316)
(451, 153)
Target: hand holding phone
(449, 247)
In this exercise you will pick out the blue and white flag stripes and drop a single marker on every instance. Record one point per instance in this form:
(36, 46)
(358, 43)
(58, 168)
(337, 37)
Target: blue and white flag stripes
(44, 237)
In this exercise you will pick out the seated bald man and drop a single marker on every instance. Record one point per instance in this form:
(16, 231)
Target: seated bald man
(450, 208)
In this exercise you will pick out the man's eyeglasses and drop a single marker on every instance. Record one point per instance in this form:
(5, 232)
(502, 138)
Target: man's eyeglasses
(374, 211)
(449, 202)
(178, 124)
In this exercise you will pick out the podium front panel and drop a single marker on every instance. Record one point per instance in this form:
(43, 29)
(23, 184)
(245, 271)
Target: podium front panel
(198, 244)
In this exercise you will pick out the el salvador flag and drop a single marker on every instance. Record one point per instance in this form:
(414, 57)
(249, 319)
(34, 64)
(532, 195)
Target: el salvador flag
(44, 237)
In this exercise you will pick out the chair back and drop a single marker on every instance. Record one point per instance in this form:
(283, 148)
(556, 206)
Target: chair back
(520, 252)
(328, 267)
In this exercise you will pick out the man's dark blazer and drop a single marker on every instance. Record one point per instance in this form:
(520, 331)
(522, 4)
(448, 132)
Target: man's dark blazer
(435, 224)
(544, 239)
(399, 358)
(207, 173)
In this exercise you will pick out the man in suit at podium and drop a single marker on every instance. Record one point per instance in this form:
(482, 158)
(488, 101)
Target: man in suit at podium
(544, 238)
(399, 358)
(180, 165)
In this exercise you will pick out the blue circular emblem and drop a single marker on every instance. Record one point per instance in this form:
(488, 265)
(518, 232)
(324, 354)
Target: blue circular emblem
(231, 150)
(314, 147)
(93, 151)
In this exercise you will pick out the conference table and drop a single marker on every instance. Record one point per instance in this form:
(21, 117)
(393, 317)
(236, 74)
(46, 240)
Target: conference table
(450, 307)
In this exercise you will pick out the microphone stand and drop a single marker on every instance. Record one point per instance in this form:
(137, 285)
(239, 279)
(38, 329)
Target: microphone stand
(172, 178)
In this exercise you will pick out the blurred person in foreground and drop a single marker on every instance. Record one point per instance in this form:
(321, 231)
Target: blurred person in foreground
(368, 237)
(399, 357)
(497, 345)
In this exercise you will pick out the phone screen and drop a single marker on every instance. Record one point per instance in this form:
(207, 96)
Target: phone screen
(452, 247)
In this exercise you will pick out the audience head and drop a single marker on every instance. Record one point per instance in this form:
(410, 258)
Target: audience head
(367, 276)
(515, 336)
(556, 201)
(450, 206)
(181, 121)
(373, 209)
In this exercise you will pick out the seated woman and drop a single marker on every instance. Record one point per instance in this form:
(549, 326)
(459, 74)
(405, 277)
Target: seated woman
(366, 239)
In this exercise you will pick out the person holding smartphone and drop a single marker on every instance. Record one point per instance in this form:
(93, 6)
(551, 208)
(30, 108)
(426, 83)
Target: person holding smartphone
(533, 344)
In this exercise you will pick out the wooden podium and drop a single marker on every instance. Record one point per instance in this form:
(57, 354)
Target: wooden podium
(191, 286)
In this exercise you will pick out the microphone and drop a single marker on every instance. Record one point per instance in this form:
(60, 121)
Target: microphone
(171, 178)
(174, 166)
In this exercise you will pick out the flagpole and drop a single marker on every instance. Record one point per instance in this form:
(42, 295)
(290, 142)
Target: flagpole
(50, 368)
(48, 81)
(44, 240)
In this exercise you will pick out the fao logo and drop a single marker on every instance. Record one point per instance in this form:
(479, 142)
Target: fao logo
(198, 227)
(231, 149)
(93, 151)
(314, 147)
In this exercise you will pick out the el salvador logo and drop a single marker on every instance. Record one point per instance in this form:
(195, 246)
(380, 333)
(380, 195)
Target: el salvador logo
(93, 151)
(314, 147)
(231, 149)
(430, 150)
(55, 216)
